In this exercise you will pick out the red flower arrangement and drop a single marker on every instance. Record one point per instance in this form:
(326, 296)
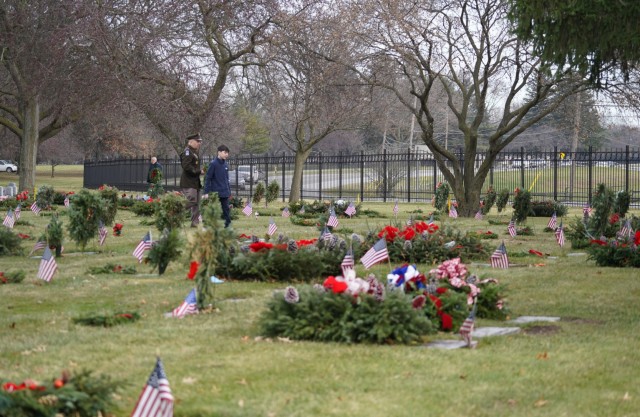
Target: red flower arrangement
(306, 242)
(338, 287)
(615, 218)
(117, 229)
(389, 233)
(636, 238)
(260, 246)
(23, 195)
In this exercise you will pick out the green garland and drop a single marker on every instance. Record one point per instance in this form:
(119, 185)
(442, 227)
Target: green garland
(111, 268)
(109, 320)
(13, 277)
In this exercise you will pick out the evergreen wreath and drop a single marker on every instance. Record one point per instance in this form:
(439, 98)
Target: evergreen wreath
(109, 320)
(13, 277)
(441, 197)
(502, 200)
(85, 214)
(111, 268)
(489, 200)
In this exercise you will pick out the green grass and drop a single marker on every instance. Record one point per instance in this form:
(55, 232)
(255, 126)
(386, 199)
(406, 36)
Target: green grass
(217, 367)
(65, 177)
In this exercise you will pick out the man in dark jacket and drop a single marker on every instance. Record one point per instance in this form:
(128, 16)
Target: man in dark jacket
(217, 181)
(151, 177)
(190, 178)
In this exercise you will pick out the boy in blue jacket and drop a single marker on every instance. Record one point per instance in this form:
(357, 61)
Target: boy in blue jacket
(217, 181)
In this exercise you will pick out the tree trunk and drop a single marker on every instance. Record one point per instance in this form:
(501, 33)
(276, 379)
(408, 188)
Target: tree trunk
(296, 180)
(29, 145)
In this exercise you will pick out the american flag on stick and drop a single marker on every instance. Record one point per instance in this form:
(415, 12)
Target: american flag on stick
(326, 234)
(35, 208)
(18, 212)
(333, 219)
(102, 233)
(348, 262)
(626, 230)
(156, 399)
(247, 210)
(453, 213)
(48, 265)
(499, 258)
(350, 210)
(396, 209)
(377, 253)
(586, 210)
(9, 220)
(301, 211)
(467, 326)
(478, 215)
(188, 306)
(430, 220)
(272, 227)
(553, 221)
(145, 244)
(66, 201)
(560, 235)
(41, 244)
(512, 228)
(286, 213)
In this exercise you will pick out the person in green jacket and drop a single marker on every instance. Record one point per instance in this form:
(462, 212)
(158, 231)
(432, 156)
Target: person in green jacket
(190, 178)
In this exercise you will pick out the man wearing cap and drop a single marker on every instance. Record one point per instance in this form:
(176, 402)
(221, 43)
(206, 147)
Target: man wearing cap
(190, 178)
(217, 181)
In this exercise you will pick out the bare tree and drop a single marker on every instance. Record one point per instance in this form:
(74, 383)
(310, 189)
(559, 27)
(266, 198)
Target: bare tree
(310, 96)
(173, 58)
(466, 48)
(44, 73)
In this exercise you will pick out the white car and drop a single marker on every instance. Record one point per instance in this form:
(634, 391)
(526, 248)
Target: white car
(8, 166)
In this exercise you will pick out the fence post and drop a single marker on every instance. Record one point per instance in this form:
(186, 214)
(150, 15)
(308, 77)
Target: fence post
(283, 184)
(522, 168)
(626, 169)
(266, 170)
(435, 173)
(320, 176)
(555, 173)
(340, 175)
(384, 175)
(362, 175)
(409, 175)
(590, 174)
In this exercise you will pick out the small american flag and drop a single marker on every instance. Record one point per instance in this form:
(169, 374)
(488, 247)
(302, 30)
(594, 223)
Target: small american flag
(626, 230)
(9, 220)
(41, 244)
(553, 221)
(350, 210)
(410, 221)
(395, 209)
(48, 265)
(247, 210)
(66, 201)
(285, 212)
(512, 228)
(377, 253)
(156, 399)
(453, 213)
(586, 210)
(333, 219)
(18, 212)
(188, 306)
(272, 227)
(326, 234)
(467, 326)
(499, 258)
(560, 235)
(301, 211)
(348, 262)
(478, 215)
(102, 233)
(430, 220)
(199, 218)
(145, 244)
(35, 208)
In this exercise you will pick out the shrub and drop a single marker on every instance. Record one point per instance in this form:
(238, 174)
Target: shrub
(10, 243)
(258, 193)
(84, 217)
(54, 234)
(602, 205)
(325, 316)
(272, 191)
(621, 203)
(547, 208)
(616, 253)
(521, 205)
(165, 250)
(489, 200)
(110, 196)
(170, 212)
(502, 200)
(441, 197)
(45, 197)
(144, 208)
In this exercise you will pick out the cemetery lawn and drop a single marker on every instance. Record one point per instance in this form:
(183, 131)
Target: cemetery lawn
(584, 365)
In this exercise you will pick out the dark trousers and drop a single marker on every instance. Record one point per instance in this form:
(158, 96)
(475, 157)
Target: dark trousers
(193, 203)
(226, 212)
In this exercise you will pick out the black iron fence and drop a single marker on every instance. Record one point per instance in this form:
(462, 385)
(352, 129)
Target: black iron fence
(568, 177)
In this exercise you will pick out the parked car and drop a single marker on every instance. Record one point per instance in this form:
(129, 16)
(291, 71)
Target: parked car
(244, 171)
(8, 166)
(238, 184)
